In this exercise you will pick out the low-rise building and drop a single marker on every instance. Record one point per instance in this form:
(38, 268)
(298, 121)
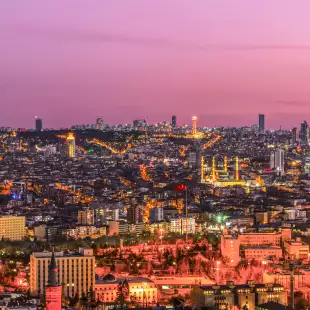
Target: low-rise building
(297, 249)
(247, 295)
(261, 252)
(141, 290)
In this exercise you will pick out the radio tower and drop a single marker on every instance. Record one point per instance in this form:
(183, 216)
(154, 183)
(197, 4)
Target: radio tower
(194, 130)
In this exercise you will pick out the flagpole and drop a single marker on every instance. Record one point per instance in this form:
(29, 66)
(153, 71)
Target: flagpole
(186, 214)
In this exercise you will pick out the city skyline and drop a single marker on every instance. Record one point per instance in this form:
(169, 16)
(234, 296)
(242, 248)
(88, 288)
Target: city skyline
(116, 59)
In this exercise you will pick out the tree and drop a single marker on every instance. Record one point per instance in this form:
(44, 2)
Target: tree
(177, 302)
(122, 293)
(64, 300)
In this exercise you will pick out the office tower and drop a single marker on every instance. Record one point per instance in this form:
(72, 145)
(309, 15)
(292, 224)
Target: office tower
(261, 122)
(294, 135)
(156, 214)
(86, 217)
(53, 289)
(174, 121)
(39, 124)
(277, 161)
(304, 133)
(75, 271)
(194, 126)
(99, 123)
(134, 215)
(71, 145)
(12, 227)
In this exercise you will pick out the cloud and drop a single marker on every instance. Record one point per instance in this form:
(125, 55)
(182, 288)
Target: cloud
(293, 103)
(121, 38)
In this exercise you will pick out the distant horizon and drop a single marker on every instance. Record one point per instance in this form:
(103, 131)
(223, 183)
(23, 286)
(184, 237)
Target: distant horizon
(71, 62)
(189, 123)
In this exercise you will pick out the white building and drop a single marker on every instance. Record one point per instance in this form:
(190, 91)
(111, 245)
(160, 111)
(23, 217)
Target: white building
(182, 225)
(277, 161)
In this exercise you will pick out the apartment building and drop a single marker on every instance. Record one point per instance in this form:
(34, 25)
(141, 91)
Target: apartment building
(76, 271)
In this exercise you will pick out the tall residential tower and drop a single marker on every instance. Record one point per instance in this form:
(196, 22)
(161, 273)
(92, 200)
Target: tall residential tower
(261, 122)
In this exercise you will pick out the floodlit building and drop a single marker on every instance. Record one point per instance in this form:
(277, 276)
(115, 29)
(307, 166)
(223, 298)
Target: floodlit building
(12, 227)
(277, 161)
(75, 271)
(142, 290)
(182, 225)
(71, 145)
(230, 248)
(247, 295)
(86, 217)
(297, 249)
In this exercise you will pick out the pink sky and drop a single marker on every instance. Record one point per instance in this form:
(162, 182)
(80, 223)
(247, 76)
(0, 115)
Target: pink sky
(224, 61)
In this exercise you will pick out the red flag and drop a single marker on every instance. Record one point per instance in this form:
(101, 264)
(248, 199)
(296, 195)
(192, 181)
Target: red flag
(180, 188)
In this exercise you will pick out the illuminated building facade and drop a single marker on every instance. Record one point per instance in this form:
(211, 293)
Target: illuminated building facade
(194, 126)
(86, 217)
(181, 225)
(12, 227)
(142, 290)
(243, 296)
(221, 177)
(76, 271)
(297, 249)
(71, 145)
(277, 161)
(262, 252)
(230, 248)
(134, 214)
(264, 238)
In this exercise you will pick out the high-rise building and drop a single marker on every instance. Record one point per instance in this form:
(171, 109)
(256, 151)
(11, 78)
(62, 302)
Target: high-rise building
(99, 123)
(86, 217)
(53, 289)
(304, 133)
(156, 214)
(39, 124)
(71, 145)
(194, 126)
(294, 135)
(12, 227)
(75, 271)
(277, 161)
(174, 121)
(134, 215)
(261, 122)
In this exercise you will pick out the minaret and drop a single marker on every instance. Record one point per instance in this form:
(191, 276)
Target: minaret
(53, 289)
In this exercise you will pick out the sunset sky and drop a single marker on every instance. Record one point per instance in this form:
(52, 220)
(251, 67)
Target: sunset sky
(71, 61)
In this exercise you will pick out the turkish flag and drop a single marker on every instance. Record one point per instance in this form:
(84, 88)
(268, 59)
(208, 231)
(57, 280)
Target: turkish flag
(180, 188)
